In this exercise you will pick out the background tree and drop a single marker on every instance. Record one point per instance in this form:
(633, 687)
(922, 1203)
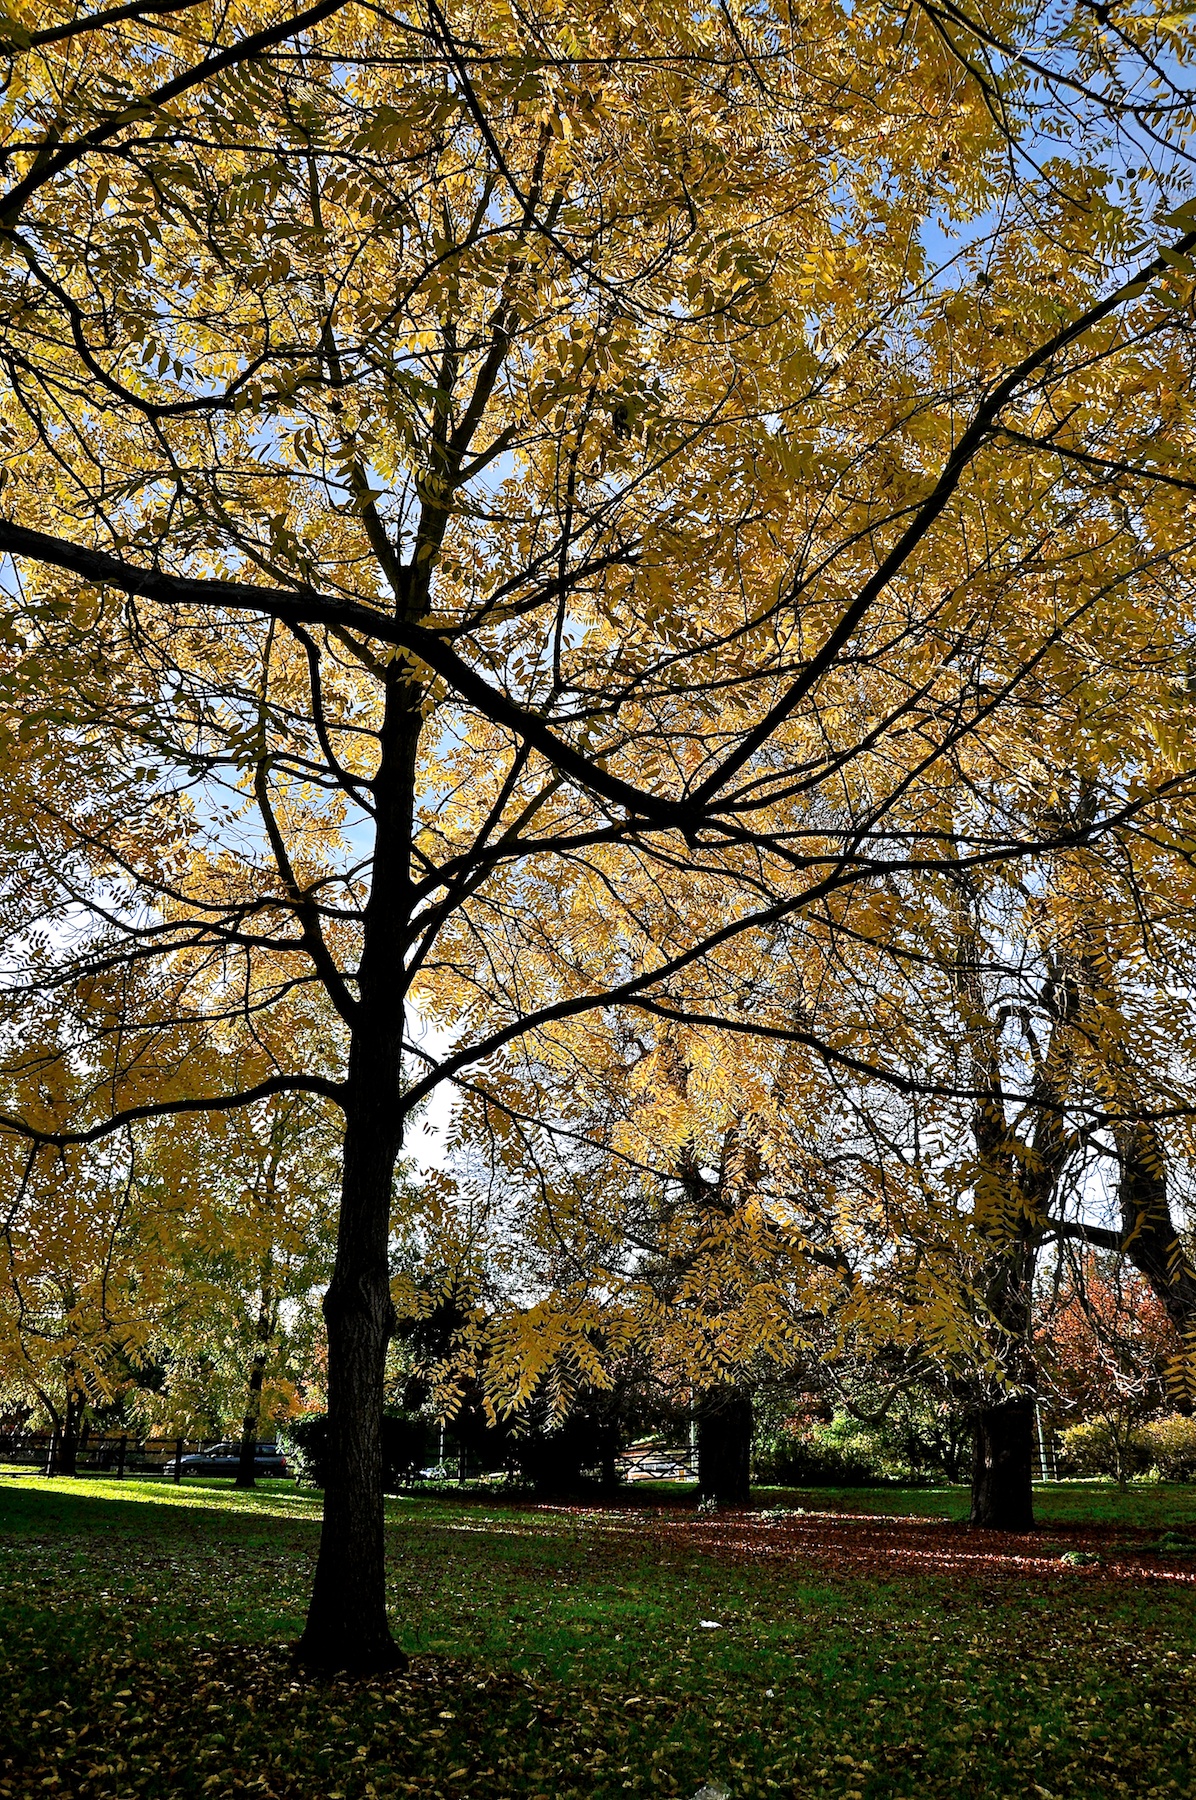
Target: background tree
(1107, 1344)
(77, 1308)
(255, 1193)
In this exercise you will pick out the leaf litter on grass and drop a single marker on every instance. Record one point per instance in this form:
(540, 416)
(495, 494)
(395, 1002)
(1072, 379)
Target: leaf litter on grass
(555, 1654)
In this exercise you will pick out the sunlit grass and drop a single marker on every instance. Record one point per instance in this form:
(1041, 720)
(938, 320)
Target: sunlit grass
(283, 1498)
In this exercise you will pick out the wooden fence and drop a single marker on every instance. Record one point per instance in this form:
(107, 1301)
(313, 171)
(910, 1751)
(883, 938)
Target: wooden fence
(98, 1453)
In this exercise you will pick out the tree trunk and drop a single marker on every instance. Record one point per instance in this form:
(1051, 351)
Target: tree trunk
(251, 1424)
(346, 1622)
(1015, 1187)
(247, 1456)
(724, 1422)
(1153, 1245)
(608, 1465)
(1003, 1426)
(1002, 1478)
(65, 1443)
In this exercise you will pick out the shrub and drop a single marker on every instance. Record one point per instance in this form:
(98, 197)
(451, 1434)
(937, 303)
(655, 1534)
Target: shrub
(817, 1457)
(1170, 1445)
(1096, 1447)
(908, 1449)
(304, 1439)
(408, 1442)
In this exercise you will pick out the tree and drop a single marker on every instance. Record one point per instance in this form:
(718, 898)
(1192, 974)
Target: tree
(254, 1198)
(1036, 1005)
(80, 1302)
(165, 1272)
(534, 537)
(1094, 1003)
(1107, 1344)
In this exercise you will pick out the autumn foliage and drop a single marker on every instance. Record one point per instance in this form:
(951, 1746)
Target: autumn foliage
(634, 571)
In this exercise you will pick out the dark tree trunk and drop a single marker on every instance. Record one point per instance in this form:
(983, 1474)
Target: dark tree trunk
(1151, 1241)
(1011, 1207)
(724, 1422)
(65, 1442)
(1002, 1478)
(608, 1464)
(346, 1623)
(1003, 1425)
(247, 1455)
(251, 1424)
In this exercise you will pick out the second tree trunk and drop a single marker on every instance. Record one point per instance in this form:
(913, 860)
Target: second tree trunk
(724, 1421)
(1003, 1474)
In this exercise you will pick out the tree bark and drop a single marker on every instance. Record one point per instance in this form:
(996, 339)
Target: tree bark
(1016, 1186)
(1002, 1494)
(1003, 1428)
(65, 1442)
(246, 1476)
(724, 1421)
(1151, 1241)
(346, 1625)
(1002, 1477)
(251, 1424)
(1003, 1422)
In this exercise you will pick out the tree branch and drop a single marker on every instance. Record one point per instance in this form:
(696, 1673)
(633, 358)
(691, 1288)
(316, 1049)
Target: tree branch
(160, 1109)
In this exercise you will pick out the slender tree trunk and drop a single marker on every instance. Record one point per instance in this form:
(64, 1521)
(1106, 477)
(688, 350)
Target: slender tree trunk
(1002, 1476)
(251, 1424)
(247, 1454)
(64, 1445)
(724, 1421)
(346, 1623)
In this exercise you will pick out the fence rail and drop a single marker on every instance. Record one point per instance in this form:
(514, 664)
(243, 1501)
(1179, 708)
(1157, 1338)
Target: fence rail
(655, 1463)
(107, 1454)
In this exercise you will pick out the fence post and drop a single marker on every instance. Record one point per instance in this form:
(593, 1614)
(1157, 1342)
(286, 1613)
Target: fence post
(120, 1467)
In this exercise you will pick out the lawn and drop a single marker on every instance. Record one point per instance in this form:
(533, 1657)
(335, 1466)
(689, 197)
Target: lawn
(861, 1644)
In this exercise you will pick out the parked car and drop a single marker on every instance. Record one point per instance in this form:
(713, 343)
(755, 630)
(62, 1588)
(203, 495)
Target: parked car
(225, 1459)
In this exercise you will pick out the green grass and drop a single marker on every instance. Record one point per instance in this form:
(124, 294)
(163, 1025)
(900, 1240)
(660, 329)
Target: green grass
(1143, 1503)
(559, 1652)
